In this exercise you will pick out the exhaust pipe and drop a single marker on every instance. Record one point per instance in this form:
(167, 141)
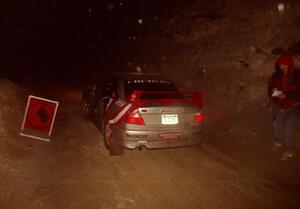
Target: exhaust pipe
(141, 147)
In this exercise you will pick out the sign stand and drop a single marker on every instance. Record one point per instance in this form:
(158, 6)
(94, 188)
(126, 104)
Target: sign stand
(39, 118)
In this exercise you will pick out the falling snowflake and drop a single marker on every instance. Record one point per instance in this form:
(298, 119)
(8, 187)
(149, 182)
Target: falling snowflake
(110, 7)
(281, 7)
(138, 69)
(140, 21)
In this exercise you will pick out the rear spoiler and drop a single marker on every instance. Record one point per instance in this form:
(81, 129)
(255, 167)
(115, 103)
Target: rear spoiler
(140, 98)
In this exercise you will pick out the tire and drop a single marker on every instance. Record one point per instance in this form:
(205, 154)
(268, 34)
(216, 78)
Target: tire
(100, 113)
(107, 135)
(86, 110)
(108, 143)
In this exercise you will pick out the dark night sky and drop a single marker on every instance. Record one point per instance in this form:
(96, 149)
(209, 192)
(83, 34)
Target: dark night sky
(55, 36)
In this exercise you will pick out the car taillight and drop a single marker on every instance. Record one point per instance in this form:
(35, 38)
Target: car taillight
(198, 117)
(134, 117)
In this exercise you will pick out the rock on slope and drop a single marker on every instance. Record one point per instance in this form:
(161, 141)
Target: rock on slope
(228, 49)
(11, 102)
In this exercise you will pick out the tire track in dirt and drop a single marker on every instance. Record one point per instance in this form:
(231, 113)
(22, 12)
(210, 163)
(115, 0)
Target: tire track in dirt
(64, 170)
(75, 171)
(191, 178)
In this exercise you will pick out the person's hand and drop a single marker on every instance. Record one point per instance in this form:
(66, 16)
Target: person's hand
(282, 96)
(276, 93)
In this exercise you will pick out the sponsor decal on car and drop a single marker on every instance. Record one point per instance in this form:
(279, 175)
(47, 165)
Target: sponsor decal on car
(170, 135)
(120, 114)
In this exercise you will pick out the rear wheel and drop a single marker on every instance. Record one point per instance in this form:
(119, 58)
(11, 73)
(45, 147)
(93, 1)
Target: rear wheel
(108, 142)
(100, 113)
(107, 135)
(86, 110)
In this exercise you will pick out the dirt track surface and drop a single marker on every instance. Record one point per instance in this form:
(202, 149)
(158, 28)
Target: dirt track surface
(215, 46)
(74, 171)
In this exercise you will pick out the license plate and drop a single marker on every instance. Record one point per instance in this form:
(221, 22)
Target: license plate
(169, 119)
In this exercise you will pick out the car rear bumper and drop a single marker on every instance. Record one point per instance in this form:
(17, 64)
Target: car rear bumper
(154, 140)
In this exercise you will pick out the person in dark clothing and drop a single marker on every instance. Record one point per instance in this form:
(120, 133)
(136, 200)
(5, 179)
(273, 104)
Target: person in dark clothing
(284, 91)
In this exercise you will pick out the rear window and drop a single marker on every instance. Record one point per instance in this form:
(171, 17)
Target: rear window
(148, 85)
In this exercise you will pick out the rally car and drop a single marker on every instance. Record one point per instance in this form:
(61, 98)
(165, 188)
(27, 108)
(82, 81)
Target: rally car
(135, 110)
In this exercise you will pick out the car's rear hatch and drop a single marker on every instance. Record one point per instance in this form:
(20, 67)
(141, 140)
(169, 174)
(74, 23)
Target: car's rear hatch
(164, 111)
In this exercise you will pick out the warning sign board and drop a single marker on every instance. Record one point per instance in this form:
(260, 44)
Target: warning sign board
(39, 118)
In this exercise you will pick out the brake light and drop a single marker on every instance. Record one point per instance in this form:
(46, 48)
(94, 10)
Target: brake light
(135, 117)
(198, 117)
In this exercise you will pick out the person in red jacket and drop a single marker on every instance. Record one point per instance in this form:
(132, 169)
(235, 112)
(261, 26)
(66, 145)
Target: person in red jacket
(284, 90)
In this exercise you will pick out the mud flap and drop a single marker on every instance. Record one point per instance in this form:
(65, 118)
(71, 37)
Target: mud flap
(113, 147)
